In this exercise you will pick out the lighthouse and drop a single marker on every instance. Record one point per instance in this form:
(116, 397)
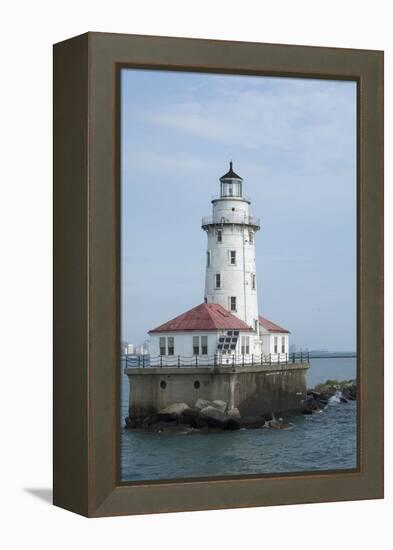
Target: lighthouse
(231, 278)
(226, 328)
(221, 349)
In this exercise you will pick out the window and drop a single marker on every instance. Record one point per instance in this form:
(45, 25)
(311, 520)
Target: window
(232, 257)
(253, 281)
(218, 280)
(204, 345)
(282, 344)
(233, 303)
(245, 345)
(162, 345)
(195, 345)
(250, 237)
(275, 344)
(219, 235)
(171, 345)
(256, 325)
(208, 258)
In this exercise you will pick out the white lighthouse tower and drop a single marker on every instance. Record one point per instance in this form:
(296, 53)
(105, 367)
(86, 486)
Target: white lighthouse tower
(231, 279)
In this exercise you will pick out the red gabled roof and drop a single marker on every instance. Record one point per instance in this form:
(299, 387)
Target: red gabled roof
(204, 317)
(271, 327)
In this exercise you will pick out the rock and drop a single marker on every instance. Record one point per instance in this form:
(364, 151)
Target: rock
(188, 416)
(315, 394)
(202, 404)
(234, 413)
(175, 408)
(232, 424)
(164, 417)
(252, 422)
(200, 422)
(311, 404)
(130, 423)
(172, 428)
(214, 414)
(349, 392)
(217, 419)
(220, 405)
(164, 426)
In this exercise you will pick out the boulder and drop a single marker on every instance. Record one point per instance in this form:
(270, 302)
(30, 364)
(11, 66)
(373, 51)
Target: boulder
(214, 414)
(217, 419)
(220, 405)
(172, 428)
(189, 416)
(234, 413)
(175, 408)
(202, 404)
(169, 413)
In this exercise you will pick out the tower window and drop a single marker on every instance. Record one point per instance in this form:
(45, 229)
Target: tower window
(256, 325)
(219, 235)
(232, 257)
(275, 344)
(282, 344)
(232, 302)
(171, 345)
(218, 280)
(251, 237)
(204, 345)
(162, 345)
(208, 258)
(195, 345)
(253, 281)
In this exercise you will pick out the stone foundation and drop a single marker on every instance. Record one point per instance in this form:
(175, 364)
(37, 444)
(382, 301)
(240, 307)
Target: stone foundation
(253, 390)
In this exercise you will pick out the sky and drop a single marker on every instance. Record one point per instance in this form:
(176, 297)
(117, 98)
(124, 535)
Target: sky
(294, 143)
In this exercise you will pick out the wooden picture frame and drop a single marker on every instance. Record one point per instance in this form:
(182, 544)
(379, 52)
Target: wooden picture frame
(86, 273)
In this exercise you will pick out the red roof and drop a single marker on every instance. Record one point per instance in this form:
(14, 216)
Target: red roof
(204, 317)
(271, 327)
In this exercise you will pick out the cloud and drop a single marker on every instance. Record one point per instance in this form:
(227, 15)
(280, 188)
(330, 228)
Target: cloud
(298, 117)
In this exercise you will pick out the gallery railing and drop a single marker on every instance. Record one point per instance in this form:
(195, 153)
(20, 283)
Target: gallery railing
(217, 360)
(218, 220)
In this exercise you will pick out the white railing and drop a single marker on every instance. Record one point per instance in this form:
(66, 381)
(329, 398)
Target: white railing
(236, 219)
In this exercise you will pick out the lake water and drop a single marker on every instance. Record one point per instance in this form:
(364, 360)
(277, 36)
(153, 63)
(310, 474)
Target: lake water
(322, 441)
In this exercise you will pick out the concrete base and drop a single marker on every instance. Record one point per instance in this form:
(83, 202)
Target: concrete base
(253, 390)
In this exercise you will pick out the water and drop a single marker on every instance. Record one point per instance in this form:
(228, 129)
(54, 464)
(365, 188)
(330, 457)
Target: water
(322, 441)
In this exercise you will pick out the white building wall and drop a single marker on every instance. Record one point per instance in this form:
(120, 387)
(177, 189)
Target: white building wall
(183, 347)
(268, 345)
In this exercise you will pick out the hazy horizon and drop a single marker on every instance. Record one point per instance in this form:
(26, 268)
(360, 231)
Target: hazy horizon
(294, 143)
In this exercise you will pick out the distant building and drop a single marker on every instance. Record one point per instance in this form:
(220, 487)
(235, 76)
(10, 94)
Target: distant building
(130, 349)
(227, 326)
